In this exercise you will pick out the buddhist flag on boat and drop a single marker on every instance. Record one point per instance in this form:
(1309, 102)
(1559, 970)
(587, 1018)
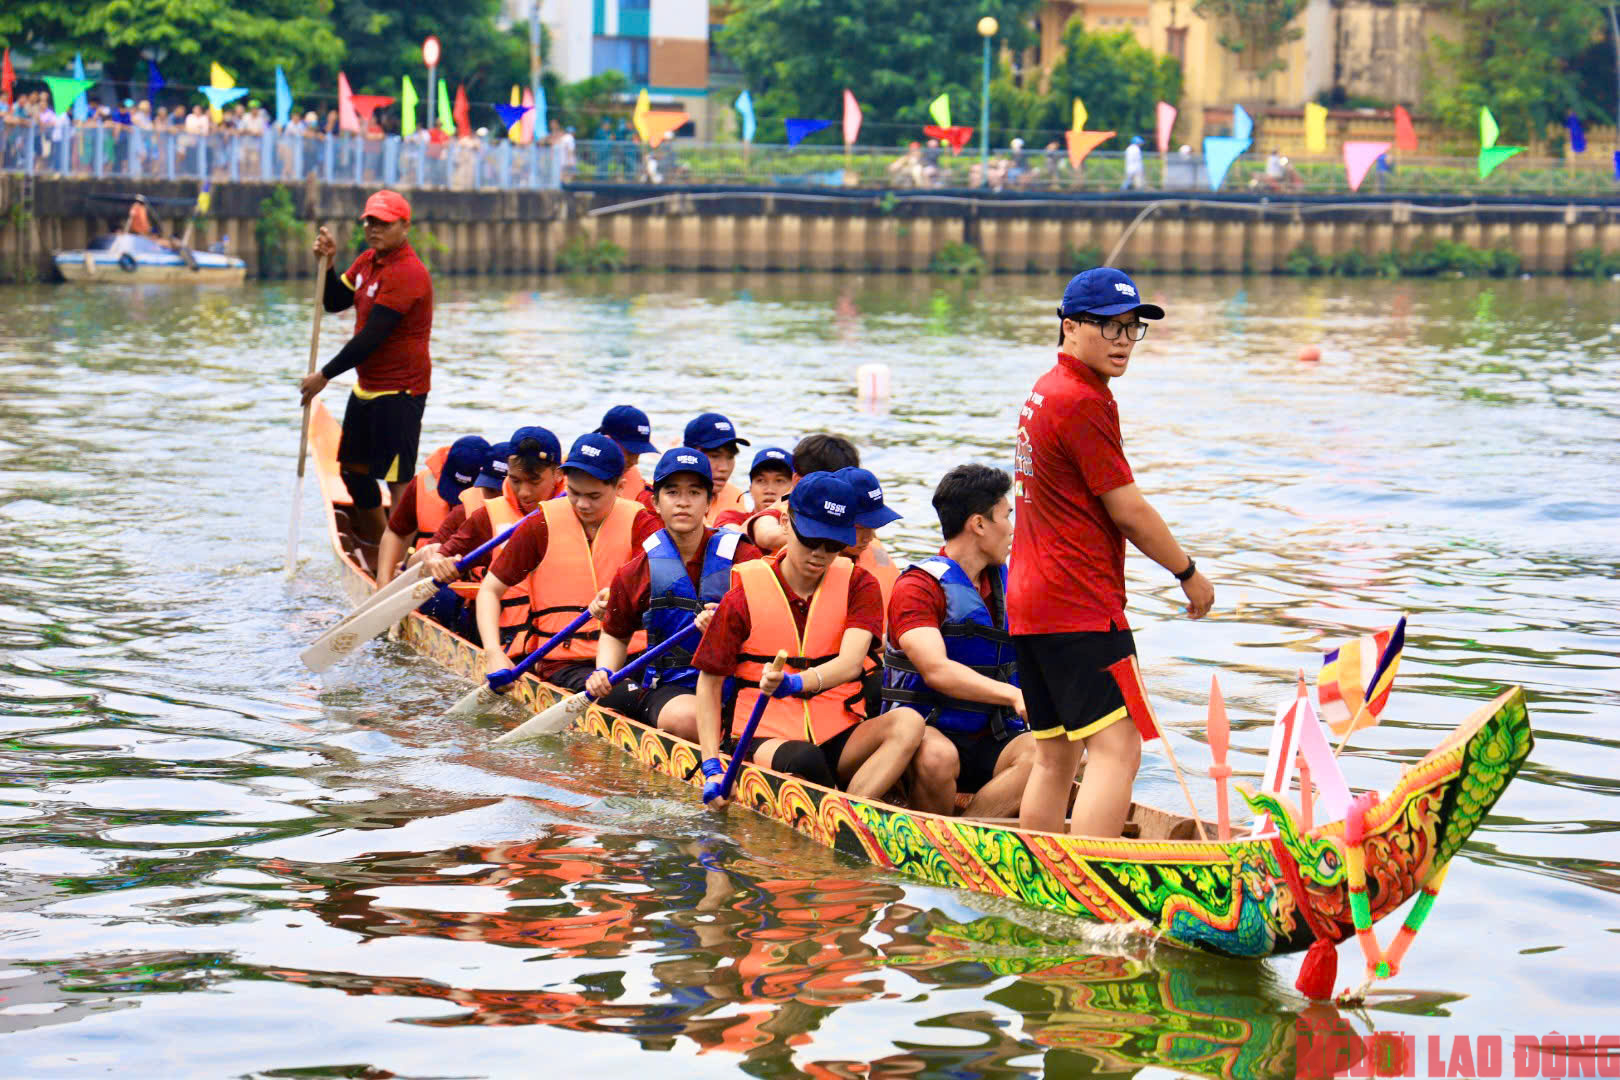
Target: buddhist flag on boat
(1356, 678)
(407, 106)
(1129, 677)
(940, 110)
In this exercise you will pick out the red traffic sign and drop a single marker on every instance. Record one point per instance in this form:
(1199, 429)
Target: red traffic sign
(430, 52)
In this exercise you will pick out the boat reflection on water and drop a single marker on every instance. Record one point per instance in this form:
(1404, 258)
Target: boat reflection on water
(757, 966)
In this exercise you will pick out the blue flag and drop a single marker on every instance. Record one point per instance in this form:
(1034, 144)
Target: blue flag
(1220, 151)
(221, 96)
(798, 127)
(1242, 123)
(81, 104)
(541, 123)
(511, 115)
(745, 106)
(283, 98)
(1617, 164)
(154, 82)
(1577, 134)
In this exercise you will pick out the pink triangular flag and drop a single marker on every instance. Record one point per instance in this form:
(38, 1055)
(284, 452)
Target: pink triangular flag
(852, 118)
(1082, 143)
(527, 124)
(1405, 134)
(1167, 121)
(348, 119)
(1332, 793)
(1359, 157)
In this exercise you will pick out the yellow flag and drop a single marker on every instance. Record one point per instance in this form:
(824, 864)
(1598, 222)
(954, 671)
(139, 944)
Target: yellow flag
(1315, 128)
(219, 79)
(940, 110)
(515, 132)
(638, 118)
(1080, 115)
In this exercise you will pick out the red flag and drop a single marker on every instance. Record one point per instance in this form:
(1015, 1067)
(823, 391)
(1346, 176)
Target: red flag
(1405, 135)
(954, 137)
(8, 78)
(1129, 678)
(462, 112)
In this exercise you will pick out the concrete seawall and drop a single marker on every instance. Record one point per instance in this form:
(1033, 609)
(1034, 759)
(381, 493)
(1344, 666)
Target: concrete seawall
(661, 228)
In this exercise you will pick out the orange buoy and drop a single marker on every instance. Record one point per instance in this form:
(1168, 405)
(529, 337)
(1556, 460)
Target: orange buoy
(1309, 354)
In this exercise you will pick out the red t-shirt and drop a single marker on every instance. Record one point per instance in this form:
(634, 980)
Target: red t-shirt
(748, 520)
(398, 281)
(527, 547)
(452, 521)
(723, 640)
(918, 599)
(631, 590)
(1068, 565)
(473, 532)
(403, 519)
(732, 518)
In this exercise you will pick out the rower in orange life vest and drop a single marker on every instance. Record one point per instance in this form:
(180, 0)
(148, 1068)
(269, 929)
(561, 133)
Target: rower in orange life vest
(770, 478)
(531, 476)
(951, 658)
(490, 483)
(678, 578)
(562, 559)
(629, 427)
(825, 612)
(427, 502)
(718, 439)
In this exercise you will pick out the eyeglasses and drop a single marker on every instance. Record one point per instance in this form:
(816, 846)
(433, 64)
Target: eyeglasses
(1110, 330)
(374, 222)
(830, 547)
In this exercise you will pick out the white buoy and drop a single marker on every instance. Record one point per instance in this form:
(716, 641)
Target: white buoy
(872, 382)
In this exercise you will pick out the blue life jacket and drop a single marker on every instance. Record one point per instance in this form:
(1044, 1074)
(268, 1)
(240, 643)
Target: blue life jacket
(674, 602)
(975, 635)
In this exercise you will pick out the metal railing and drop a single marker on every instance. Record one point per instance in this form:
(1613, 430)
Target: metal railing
(120, 150)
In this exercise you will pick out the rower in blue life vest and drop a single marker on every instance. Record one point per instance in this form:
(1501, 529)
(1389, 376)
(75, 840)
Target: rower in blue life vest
(678, 578)
(950, 656)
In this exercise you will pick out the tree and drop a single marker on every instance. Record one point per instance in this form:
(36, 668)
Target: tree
(1120, 80)
(1257, 28)
(896, 55)
(1520, 60)
(385, 41)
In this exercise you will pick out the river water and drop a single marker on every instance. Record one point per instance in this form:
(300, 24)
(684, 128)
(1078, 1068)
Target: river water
(213, 863)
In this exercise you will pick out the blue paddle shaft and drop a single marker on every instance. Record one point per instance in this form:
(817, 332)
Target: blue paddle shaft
(635, 666)
(498, 680)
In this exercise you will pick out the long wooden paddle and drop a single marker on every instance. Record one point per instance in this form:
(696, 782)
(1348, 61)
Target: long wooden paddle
(303, 437)
(563, 712)
(746, 739)
(492, 690)
(361, 626)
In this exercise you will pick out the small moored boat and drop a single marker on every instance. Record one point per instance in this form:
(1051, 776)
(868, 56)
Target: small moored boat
(125, 259)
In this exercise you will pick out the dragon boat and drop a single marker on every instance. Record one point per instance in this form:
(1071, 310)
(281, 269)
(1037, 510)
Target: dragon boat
(1251, 896)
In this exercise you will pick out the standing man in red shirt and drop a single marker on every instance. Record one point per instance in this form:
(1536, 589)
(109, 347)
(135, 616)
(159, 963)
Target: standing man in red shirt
(392, 297)
(1076, 504)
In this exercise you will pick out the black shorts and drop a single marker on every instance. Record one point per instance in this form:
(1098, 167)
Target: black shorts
(654, 700)
(831, 750)
(380, 436)
(624, 698)
(978, 755)
(1068, 689)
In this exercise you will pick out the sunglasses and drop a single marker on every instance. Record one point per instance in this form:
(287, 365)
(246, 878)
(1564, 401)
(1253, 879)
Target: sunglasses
(830, 547)
(372, 222)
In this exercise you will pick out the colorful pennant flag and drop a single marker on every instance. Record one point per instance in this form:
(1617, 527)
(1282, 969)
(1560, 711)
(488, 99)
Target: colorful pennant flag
(283, 98)
(407, 106)
(1359, 157)
(1488, 131)
(661, 123)
(745, 109)
(954, 137)
(1492, 156)
(638, 118)
(798, 127)
(1356, 677)
(366, 106)
(512, 117)
(64, 89)
(1316, 129)
(1577, 133)
(1082, 143)
(852, 118)
(219, 79)
(447, 119)
(348, 120)
(1166, 123)
(514, 131)
(1242, 123)
(1220, 151)
(526, 125)
(221, 96)
(940, 110)
(542, 122)
(1078, 116)
(81, 104)
(463, 112)
(8, 78)
(1405, 133)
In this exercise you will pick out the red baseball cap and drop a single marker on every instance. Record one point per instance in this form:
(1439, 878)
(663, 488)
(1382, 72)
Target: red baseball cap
(387, 206)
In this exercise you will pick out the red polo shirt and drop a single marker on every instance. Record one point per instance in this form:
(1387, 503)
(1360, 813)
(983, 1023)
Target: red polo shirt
(398, 281)
(631, 590)
(723, 640)
(1068, 565)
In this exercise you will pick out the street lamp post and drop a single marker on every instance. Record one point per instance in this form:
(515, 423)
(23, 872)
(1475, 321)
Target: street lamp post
(987, 30)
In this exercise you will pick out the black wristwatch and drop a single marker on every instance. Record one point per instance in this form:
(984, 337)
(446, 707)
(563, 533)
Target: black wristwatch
(1186, 575)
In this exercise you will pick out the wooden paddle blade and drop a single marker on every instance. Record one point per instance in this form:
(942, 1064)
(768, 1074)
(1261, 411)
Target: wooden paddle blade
(475, 702)
(297, 513)
(355, 631)
(552, 720)
(1220, 730)
(400, 584)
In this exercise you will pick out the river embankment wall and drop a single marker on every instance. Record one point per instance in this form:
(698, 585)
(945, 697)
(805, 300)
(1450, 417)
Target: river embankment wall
(787, 229)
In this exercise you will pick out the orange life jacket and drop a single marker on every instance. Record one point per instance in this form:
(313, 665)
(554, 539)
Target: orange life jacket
(515, 601)
(632, 485)
(875, 560)
(431, 510)
(816, 717)
(474, 497)
(729, 497)
(572, 573)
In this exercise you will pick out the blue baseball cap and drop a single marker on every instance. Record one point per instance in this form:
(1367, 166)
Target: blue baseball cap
(824, 508)
(772, 456)
(467, 458)
(550, 451)
(710, 432)
(683, 459)
(629, 427)
(493, 474)
(869, 509)
(1105, 291)
(597, 455)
